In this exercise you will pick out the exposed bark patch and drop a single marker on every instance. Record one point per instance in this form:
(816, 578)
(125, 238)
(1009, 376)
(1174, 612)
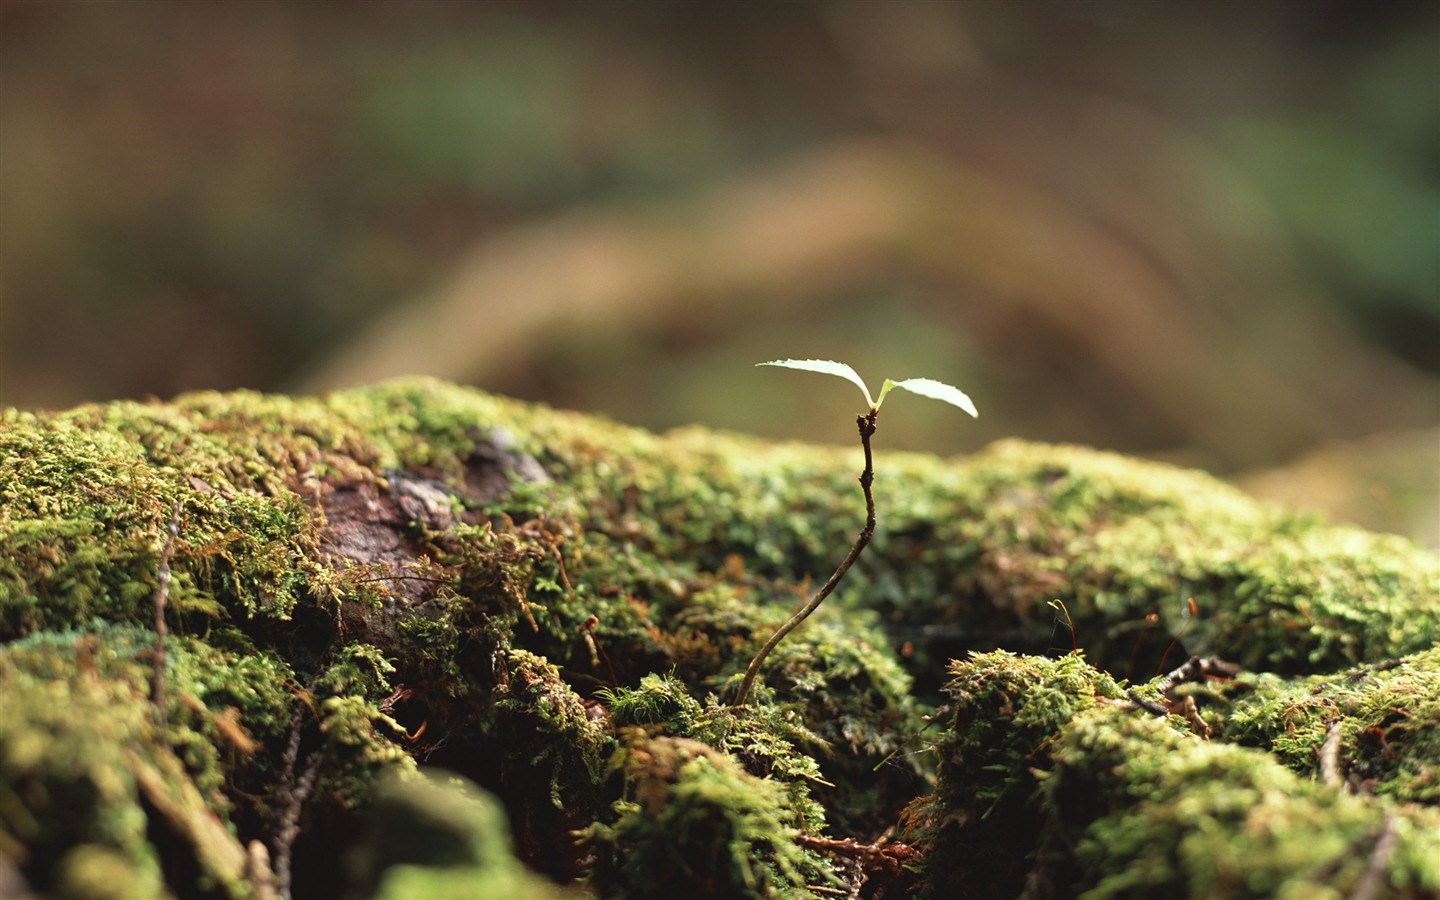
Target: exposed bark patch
(494, 465)
(378, 526)
(387, 528)
(381, 525)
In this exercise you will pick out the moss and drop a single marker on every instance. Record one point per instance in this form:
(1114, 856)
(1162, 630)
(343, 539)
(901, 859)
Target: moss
(1151, 812)
(1053, 784)
(81, 762)
(421, 571)
(769, 742)
(440, 836)
(692, 822)
(98, 872)
(1127, 544)
(536, 708)
(1007, 711)
(1387, 719)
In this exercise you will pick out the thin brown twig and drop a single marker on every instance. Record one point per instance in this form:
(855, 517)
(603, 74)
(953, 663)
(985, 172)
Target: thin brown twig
(1196, 668)
(1149, 706)
(1330, 755)
(879, 858)
(1373, 880)
(258, 873)
(1194, 611)
(162, 597)
(866, 425)
(293, 794)
(597, 652)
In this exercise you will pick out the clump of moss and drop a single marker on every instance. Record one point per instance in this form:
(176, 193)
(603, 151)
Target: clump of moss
(694, 823)
(660, 701)
(1053, 783)
(1007, 710)
(769, 742)
(440, 836)
(537, 709)
(1126, 545)
(417, 570)
(1152, 812)
(1385, 717)
(81, 761)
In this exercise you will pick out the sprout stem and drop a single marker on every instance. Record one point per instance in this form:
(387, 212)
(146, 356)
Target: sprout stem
(866, 425)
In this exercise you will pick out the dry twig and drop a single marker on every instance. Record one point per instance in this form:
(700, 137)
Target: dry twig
(293, 794)
(1196, 668)
(1330, 755)
(162, 597)
(1371, 883)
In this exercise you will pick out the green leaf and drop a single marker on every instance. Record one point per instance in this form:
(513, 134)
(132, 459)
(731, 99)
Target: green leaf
(827, 367)
(935, 390)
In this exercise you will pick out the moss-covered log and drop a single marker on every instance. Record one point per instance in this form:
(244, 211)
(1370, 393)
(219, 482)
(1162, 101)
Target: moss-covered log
(560, 609)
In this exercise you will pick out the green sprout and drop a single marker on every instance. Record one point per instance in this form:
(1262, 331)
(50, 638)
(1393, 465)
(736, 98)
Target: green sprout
(925, 387)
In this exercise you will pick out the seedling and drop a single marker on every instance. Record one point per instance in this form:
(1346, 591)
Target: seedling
(925, 387)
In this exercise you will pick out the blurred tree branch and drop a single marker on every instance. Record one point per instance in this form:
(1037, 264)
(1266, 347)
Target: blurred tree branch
(859, 209)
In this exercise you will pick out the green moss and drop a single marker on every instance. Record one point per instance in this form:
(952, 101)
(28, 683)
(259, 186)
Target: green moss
(769, 742)
(1151, 811)
(693, 823)
(421, 570)
(440, 836)
(1050, 782)
(659, 701)
(1387, 717)
(1119, 541)
(98, 872)
(77, 749)
(566, 748)
(1007, 711)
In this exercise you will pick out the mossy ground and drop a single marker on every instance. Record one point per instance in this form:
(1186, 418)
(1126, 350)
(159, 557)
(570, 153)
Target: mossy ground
(422, 573)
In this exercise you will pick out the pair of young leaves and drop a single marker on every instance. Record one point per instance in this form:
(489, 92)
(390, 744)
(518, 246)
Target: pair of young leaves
(925, 387)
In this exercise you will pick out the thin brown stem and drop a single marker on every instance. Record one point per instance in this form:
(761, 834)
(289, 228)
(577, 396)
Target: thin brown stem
(866, 424)
(1330, 756)
(162, 597)
(1374, 879)
(293, 794)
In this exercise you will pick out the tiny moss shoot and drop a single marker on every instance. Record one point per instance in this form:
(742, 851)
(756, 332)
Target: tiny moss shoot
(866, 423)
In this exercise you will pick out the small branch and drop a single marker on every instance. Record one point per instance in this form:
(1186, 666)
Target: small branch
(1330, 755)
(866, 425)
(293, 795)
(1196, 668)
(162, 597)
(885, 860)
(258, 873)
(1151, 707)
(1373, 880)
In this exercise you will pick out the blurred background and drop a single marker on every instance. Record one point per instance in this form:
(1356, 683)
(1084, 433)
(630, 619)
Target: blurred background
(1205, 232)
